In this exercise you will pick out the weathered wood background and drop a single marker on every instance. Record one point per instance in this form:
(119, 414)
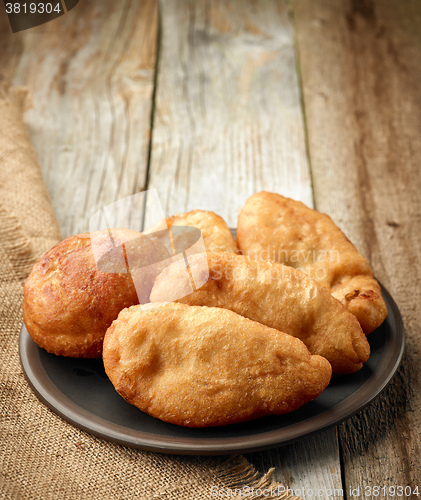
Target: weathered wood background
(211, 101)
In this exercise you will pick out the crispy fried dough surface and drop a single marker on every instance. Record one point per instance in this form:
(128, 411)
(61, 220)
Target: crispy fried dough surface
(216, 234)
(69, 303)
(272, 227)
(275, 295)
(206, 366)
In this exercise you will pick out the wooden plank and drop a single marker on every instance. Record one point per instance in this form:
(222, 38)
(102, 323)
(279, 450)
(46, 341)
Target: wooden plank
(361, 68)
(228, 123)
(228, 120)
(91, 75)
(311, 468)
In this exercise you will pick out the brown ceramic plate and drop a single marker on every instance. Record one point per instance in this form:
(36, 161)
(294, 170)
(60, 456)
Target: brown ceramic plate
(79, 391)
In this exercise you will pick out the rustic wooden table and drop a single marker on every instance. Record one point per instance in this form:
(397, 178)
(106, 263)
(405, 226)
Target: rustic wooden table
(210, 101)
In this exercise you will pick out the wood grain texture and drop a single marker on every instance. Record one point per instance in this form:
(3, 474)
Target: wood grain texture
(311, 468)
(91, 75)
(228, 122)
(228, 119)
(361, 68)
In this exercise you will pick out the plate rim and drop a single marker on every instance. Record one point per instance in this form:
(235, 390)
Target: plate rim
(93, 424)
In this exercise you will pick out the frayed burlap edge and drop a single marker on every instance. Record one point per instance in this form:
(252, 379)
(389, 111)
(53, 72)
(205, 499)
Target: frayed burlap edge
(238, 474)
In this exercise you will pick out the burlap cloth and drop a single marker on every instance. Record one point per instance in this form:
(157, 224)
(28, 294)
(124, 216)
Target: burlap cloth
(42, 456)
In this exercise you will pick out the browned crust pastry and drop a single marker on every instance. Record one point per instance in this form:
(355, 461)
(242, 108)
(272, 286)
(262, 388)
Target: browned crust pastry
(275, 295)
(272, 227)
(201, 366)
(217, 236)
(69, 303)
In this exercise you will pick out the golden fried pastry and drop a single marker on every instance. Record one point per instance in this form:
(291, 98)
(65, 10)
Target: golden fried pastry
(216, 234)
(275, 295)
(206, 366)
(272, 227)
(69, 302)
